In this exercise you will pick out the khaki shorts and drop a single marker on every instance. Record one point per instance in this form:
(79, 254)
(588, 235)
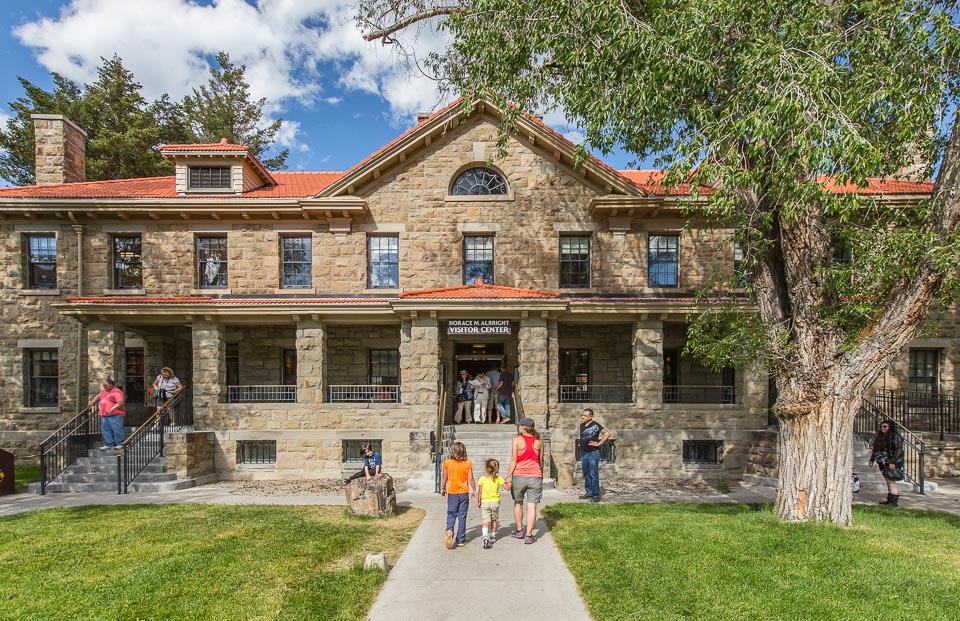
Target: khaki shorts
(529, 489)
(489, 511)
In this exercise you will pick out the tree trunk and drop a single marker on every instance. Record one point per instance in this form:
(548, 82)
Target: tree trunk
(816, 459)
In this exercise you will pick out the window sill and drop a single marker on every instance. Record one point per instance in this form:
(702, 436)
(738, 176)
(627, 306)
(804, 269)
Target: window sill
(124, 292)
(229, 190)
(211, 291)
(39, 292)
(702, 466)
(577, 290)
(293, 290)
(479, 198)
(383, 291)
(272, 466)
(39, 410)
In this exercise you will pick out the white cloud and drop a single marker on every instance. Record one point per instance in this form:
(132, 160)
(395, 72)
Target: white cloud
(287, 136)
(288, 46)
(4, 117)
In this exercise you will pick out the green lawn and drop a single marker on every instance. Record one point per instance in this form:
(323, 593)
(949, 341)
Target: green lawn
(688, 561)
(194, 562)
(26, 474)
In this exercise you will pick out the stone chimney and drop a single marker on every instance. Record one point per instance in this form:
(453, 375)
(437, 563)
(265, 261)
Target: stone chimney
(423, 116)
(60, 148)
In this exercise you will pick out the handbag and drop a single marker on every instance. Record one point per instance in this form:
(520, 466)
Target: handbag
(855, 483)
(895, 472)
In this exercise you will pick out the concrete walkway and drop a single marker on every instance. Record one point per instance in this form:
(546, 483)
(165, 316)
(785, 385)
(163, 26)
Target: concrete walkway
(432, 583)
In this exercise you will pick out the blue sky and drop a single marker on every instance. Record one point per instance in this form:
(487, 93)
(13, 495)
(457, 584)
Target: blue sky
(340, 97)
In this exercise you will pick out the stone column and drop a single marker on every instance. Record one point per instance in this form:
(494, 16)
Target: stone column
(419, 361)
(209, 367)
(104, 354)
(752, 393)
(311, 362)
(553, 366)
(648, 364)
(533, 385)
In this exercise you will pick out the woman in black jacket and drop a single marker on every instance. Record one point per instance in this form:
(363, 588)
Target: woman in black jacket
(888, 453)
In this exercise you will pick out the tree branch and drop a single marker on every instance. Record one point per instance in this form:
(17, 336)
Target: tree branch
(385, 32)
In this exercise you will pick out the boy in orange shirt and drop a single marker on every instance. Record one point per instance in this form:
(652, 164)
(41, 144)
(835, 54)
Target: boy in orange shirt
(455, 483)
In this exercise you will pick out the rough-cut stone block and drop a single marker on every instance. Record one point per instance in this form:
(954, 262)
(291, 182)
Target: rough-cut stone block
(376, 561)
(373, 498)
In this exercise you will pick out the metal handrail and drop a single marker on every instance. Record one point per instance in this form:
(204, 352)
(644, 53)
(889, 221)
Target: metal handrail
(438, 438)
(278, 393)
(363, 393)
(927, 412)
(67, 444)
(865, 424)
(596, 393)
(144, 444)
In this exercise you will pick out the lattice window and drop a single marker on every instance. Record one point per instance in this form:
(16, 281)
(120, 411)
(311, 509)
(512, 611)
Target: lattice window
(479, 181)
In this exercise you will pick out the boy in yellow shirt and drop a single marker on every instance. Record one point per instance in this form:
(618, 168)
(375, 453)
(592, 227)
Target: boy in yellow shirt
(489, 501)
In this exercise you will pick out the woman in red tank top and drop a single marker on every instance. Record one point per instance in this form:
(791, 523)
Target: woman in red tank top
(526, 476)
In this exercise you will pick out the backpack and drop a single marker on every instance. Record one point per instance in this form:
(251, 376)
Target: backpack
(855, 482)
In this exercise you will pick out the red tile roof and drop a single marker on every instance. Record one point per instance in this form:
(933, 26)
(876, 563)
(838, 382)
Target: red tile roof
(175, 301)
(652, 182)
(876, 185)
(289, 185)
(478, 292)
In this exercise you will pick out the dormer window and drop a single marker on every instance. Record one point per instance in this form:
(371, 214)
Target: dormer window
(210, 178)
(479, 181)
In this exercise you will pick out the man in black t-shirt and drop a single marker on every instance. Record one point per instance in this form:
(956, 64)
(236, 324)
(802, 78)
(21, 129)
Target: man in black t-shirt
(592, 437)
(505, 389)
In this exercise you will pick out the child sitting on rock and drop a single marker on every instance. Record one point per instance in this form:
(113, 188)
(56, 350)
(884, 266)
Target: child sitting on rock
(372, 463)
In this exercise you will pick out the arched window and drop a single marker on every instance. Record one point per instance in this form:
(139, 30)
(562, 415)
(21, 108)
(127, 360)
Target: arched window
(476, 181)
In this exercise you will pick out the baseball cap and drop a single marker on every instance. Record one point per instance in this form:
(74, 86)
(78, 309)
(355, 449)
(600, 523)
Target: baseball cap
(527, 422)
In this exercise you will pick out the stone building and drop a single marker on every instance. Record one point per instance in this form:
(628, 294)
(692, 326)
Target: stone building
(308, 311)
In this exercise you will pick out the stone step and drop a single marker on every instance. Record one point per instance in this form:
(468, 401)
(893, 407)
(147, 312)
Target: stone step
(165, 486)
(106, 477)
(154, 466)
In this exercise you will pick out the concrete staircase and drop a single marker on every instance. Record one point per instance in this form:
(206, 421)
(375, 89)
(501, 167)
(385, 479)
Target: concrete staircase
(97, 472)
(483, 441)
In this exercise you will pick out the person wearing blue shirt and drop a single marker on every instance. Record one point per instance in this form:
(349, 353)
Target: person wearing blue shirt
(372, 464)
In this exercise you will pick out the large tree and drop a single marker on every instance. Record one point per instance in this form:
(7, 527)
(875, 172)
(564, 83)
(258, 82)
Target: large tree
(222, 108)
(762, 100)
(122, 129)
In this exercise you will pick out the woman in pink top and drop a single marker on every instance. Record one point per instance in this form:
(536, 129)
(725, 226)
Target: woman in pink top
(111, 414)
(526, 476)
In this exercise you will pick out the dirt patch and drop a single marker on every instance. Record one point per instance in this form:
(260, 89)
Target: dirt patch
(655, 487)
(310, 487)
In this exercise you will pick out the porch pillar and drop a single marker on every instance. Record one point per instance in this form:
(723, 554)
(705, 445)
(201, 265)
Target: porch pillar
(419, 361)
(648, 364)
(534, 383)
(753, 396)
(553, 367)
(209, 367)
(311, 362)
(105, 355)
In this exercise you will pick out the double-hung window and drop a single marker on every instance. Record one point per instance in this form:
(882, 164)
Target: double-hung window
(41, 261)
(212, 262)
(43, 373)
(297, 259)
(127, 262)
(384, 367)
(575, 262)
(478, 259)
(924, 371)
(383, 260)
(663, 260)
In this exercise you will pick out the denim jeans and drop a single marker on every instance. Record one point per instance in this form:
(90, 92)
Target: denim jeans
(503, 405)
(112, 429)
(457, 508)
(590, 463)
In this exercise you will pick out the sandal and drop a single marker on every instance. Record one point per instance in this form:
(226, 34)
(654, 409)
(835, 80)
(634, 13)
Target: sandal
(517, 534)
(529, 539)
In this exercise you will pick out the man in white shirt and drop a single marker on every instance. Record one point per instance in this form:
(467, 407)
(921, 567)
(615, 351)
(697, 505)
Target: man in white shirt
(481, 392)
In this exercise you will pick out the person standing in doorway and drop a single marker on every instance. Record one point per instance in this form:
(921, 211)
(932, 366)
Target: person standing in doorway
(592, 437)
(526, 477)
(505, 395)
(112, 414)
(494, 376)
(464, 395)
(481, 393)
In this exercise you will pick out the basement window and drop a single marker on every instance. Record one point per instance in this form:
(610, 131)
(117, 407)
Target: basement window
(256, 451)
(702, 452)
(210, 178)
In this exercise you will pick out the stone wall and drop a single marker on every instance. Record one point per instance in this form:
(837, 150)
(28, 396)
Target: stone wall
(941, 457)
(190, 454)
(762, 464)
(261, 352)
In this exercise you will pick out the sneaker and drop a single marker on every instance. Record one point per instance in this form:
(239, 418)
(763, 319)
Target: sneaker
(448, 540)
(529, 539)
(584, 496)
(594, 499)
(461, 544)
(493, 540)
(518, 534)
(486, 543)
(105, 447)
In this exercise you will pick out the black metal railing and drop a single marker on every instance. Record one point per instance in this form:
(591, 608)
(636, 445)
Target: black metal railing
(262, 394)
(865, 425)
(595, 393)
(179, 409)
(700, 394)
(920, 411)
(257, 452)
(68, 443)
(143, 445)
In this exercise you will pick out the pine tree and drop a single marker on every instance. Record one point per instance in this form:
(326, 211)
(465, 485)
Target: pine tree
(223, 109)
